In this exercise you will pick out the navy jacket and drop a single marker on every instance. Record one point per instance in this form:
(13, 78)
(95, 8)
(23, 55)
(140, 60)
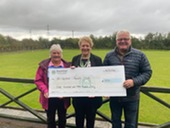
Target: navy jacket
(96, 101)
(95, 60)
(137, 67)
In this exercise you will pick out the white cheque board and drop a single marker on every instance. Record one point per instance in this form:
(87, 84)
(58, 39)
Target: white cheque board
(91, 81)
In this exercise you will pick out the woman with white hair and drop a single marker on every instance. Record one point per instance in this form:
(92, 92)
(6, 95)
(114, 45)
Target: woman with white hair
(41, 80)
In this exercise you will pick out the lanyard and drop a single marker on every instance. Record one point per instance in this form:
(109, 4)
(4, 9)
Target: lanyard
(85, 63)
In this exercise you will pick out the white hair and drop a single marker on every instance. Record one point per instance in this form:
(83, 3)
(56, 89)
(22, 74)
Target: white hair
(56, 47)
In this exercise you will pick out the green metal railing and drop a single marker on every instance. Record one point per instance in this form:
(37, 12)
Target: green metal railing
(42, 119)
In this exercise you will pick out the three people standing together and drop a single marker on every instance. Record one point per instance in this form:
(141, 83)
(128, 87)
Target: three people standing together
(137, 73)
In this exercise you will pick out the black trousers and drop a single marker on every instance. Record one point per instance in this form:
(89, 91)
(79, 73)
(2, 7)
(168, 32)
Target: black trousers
(84, 110)
(56, 104)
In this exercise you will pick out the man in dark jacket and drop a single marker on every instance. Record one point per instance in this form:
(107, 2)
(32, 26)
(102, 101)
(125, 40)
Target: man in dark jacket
(137, 73)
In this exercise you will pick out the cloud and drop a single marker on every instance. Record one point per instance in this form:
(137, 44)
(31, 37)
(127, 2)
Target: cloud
(83, 17)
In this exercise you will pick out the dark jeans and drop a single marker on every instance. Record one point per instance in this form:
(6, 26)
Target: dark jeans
(130, 112)
(84, 110)
(53, 105)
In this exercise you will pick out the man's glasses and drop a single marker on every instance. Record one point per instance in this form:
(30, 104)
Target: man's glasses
(125, 39)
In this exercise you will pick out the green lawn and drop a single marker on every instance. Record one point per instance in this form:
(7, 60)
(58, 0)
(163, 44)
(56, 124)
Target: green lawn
(24, 65)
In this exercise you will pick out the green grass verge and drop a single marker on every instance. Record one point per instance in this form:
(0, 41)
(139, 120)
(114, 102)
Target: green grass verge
(24, 65)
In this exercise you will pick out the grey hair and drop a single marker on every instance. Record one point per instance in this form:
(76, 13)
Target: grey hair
(56, 47)
(122, 32)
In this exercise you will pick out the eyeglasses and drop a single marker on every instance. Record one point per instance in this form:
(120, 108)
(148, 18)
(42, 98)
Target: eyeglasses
(125, 39)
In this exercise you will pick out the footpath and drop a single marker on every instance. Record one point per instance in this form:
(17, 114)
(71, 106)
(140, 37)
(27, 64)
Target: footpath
(12, 123)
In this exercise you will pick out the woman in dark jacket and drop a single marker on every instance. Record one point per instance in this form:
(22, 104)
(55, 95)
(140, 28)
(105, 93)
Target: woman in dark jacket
(86, 107)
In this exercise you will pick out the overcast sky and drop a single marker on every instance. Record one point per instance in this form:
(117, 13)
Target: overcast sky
(61, 18)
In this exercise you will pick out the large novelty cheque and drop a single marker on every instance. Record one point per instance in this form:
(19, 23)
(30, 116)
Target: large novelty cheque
(91, 81)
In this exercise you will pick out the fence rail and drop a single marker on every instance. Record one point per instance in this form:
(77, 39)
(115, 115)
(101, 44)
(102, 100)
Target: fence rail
(42, 119)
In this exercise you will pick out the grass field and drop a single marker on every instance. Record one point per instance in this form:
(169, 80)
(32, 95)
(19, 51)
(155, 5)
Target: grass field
(24, 65)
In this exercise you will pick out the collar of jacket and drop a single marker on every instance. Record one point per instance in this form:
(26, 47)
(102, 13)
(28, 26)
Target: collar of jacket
(44, 64)
(128, 51)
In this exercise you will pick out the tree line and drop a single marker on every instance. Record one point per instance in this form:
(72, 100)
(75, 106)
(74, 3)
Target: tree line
(155, 41)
